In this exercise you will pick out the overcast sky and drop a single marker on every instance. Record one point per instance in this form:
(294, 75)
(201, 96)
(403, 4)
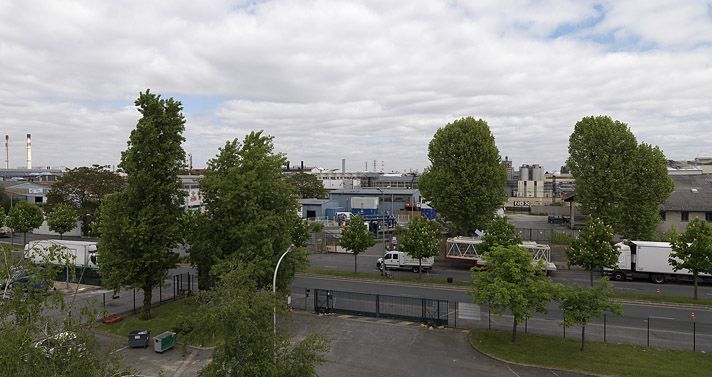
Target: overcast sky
(356, 80)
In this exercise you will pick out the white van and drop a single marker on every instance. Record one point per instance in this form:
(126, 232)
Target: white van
(399, 260)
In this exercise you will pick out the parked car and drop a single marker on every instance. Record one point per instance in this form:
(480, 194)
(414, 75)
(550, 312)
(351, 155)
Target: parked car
(6, 231)
(557, 220)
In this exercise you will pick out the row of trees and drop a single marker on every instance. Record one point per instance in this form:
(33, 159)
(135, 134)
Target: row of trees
(249, 221)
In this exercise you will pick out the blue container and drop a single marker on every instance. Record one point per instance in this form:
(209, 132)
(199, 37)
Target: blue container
(364, 211)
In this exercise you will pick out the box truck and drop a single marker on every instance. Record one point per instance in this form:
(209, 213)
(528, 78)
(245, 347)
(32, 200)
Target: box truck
(648, 260)
(80, 253)
(399, 260)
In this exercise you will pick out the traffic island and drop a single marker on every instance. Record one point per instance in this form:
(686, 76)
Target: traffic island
(601, 359)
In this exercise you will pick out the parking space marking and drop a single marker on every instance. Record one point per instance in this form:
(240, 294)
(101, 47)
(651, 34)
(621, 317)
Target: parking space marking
(119, 350)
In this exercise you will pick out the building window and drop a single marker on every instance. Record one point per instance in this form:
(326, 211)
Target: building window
(662, 215)
(708, 216)
(684, 216)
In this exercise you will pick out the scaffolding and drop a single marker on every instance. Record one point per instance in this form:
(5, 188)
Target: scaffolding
(465, 248)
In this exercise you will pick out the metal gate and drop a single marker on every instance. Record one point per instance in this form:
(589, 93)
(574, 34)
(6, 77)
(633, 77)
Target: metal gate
(424, 310)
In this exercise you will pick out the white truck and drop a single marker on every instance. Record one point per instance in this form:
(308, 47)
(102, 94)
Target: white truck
(399, 260)
(647, 260)
(81, 253)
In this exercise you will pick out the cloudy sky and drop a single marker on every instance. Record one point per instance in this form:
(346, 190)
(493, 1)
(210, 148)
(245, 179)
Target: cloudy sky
(356, 80)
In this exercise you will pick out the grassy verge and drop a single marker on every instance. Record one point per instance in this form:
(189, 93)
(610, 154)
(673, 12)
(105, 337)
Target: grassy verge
(609, 359)
(441, 281)
(662, 298)
(367, 275)
(166, 317)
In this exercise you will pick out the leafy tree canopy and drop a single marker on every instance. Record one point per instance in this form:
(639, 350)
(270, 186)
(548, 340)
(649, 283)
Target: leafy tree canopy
(692, 250)
(512, 283)
(141, 224)
(356, 238)
(307, 185)
(593, 249)
(24, 217)
(62, 219)
(617, 180)
(465, 180)
(251, 211)
(421, 239)
(499, 232)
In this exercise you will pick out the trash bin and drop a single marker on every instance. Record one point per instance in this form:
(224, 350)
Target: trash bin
(139, 338)
(164, 341)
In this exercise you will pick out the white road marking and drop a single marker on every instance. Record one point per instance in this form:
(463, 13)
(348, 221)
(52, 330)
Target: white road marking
(554, 373)
(513, 372)
(119, 350)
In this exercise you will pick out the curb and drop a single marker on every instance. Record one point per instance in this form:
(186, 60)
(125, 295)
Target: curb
(495, 358)
(394, 281)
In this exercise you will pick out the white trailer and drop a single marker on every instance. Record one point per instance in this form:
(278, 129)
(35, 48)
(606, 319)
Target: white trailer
(80, 253)
(648, 260)
(399, 260)
(465, 248)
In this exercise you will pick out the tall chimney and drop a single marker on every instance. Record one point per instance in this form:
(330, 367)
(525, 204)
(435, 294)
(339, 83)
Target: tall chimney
(7, 151)
(29, 151)
(343, 165)
(301, 166)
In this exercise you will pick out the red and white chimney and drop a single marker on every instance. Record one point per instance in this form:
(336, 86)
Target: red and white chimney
(29, 151)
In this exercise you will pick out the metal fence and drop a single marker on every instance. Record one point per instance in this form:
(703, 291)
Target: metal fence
(650, 331)
(131, 299)
(544, 235)
(424, 310)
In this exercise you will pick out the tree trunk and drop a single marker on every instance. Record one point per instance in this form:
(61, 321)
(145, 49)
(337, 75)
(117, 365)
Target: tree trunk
(591, 275)
(355, 268)
(514, 330)
(420, 268)
(694, 278)
(147, 295)
(583, 336)
(24, 238)
(60, 236)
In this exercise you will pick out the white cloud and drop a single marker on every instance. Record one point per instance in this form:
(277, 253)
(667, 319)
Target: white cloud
(357, 80)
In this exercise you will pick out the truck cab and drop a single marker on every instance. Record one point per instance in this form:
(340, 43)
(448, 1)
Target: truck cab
(395, 259)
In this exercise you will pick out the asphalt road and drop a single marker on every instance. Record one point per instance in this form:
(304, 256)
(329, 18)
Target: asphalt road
(670, 325)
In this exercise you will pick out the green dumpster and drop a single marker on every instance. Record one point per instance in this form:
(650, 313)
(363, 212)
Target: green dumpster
(164, 341)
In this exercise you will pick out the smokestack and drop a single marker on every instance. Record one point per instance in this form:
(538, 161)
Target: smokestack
(343, 165)
(301, 166)
(287, 165)
(29, 151)
(7, 151)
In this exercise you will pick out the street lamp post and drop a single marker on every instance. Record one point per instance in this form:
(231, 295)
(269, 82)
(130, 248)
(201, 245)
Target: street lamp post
(274, 287)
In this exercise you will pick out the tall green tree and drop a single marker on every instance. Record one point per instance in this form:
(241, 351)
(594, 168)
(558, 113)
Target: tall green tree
(465, 180)
(251, 211)
(499, 232)
(356, 238)
(198, 242)
(512, 283)
(593, 248)
(62, 219)
(692, 250)
(421, 240)
(307, 185)
(142, 224)
(581, 305)
(83, 188)
(249, 345)
(24, 217)
(617, 180)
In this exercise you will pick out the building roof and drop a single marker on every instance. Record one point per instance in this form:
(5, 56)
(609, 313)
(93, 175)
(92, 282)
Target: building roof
(692, 193)
(314, 202)
(375, 191)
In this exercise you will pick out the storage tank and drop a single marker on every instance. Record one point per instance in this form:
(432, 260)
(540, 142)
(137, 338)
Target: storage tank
(524, 173)
(537, 173)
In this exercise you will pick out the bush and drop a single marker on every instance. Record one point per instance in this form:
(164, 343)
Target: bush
(560, 238)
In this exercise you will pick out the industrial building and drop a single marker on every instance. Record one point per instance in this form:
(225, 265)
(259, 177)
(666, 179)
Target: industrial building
(691, 199)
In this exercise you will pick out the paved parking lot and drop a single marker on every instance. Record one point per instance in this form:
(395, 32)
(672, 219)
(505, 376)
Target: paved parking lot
(177, 362)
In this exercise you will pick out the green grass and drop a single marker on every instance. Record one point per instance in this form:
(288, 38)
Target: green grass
(367, 275)
(166, 317)
(662, 298)
(560, 238)
(609, 359)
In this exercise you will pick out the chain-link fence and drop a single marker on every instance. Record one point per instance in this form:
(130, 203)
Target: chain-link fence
(544, 235)
(131, 299)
